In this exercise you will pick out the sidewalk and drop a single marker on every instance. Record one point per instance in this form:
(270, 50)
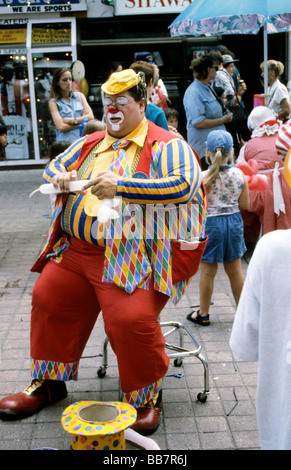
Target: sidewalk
(226, 421)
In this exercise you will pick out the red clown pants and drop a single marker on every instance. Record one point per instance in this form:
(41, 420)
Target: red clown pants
(66, 301)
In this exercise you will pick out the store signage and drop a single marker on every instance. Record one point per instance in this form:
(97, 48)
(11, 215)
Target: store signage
(12, 36)
(50, 36)
(13, 51)
(5, 3)
(13, 21)
(41, 6)
(146, 7)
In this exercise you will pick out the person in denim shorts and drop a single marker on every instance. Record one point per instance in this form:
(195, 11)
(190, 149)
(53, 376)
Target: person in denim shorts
(228, 192)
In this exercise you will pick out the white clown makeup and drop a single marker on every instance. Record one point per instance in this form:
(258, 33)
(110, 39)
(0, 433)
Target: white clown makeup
(114, 118)
(122, 113)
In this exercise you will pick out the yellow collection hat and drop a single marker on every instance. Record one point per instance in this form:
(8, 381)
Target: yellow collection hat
(98, 425)
(121, 81)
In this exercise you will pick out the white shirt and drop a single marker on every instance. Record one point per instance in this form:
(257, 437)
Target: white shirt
(262, 333)
(276, 93)
(17, 148)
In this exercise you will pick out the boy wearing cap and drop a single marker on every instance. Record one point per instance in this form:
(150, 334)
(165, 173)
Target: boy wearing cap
(160, 93)
(153, 112)
(121, 271)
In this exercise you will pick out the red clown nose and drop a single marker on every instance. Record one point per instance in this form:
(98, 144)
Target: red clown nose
(112, 109)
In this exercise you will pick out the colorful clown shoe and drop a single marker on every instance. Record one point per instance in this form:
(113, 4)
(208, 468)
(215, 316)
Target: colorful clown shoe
(148, 416)
(35, 397)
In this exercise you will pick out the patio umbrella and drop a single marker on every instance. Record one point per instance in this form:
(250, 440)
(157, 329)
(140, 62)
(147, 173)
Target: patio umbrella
(219, 17)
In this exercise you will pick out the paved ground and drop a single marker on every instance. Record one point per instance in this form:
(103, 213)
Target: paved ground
(226, 421)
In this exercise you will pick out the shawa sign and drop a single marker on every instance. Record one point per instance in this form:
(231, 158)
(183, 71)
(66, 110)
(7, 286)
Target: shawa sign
(146, 7)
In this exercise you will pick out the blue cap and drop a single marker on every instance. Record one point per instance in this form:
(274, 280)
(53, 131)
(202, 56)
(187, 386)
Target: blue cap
(219, 140)
(145, 56)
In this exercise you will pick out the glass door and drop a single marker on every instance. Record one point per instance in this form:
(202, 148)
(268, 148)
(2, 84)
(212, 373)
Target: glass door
(51, 45)
(44, 66)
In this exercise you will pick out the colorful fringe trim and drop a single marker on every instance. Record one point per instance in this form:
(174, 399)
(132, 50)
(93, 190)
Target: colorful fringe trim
(51, 370)
(142, 396)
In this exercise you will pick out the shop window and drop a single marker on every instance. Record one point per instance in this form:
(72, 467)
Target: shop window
(15, 104)
(30, 52)
(44, 67)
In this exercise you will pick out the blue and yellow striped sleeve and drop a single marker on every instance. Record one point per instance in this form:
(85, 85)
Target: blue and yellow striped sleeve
(66, 161)
(178, 177)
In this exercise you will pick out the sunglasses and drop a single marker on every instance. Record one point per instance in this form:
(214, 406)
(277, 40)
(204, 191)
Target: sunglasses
(216, 68)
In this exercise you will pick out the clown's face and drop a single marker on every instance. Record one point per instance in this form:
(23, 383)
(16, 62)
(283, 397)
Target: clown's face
(122, 113)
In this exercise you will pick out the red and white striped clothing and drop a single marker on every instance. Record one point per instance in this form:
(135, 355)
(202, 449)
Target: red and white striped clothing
(283, 142)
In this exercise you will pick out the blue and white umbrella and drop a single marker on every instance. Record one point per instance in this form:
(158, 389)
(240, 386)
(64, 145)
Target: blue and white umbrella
(219, 17)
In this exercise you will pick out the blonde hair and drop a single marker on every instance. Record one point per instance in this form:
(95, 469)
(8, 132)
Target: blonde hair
(216, 160)
(275, 65)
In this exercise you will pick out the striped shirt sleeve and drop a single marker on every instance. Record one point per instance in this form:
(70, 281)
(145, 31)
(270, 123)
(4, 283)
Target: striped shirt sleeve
(66, 161)
(178, 177)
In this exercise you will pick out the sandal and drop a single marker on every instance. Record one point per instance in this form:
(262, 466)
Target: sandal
(199, 320)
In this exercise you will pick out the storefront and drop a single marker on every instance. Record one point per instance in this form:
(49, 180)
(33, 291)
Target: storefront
(31, 49)
(39, 36)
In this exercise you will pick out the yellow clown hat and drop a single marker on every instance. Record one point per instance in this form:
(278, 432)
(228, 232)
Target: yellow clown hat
(98, 425)
(122, 81)
(287, 167)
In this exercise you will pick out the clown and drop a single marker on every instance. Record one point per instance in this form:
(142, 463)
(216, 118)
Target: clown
(87, 266)
(271, 209)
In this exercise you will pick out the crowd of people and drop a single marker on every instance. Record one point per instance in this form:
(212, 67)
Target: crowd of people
(137, 154)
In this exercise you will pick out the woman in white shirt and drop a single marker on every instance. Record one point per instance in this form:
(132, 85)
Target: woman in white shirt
(278, 99)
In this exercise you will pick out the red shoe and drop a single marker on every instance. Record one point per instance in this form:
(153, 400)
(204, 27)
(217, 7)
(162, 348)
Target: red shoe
(148, 416)
(35, 397)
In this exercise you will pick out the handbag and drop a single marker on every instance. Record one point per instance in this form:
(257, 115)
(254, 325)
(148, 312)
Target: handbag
(238, 127)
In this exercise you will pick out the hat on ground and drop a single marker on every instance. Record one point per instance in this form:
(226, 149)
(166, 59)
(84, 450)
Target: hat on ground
(121, 81)
(228, 59)
(98, 425)
(3, 126)
(145, 56)
(221, 140)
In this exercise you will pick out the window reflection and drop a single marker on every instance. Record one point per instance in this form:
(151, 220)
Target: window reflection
(15, 105)
(44, 67)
